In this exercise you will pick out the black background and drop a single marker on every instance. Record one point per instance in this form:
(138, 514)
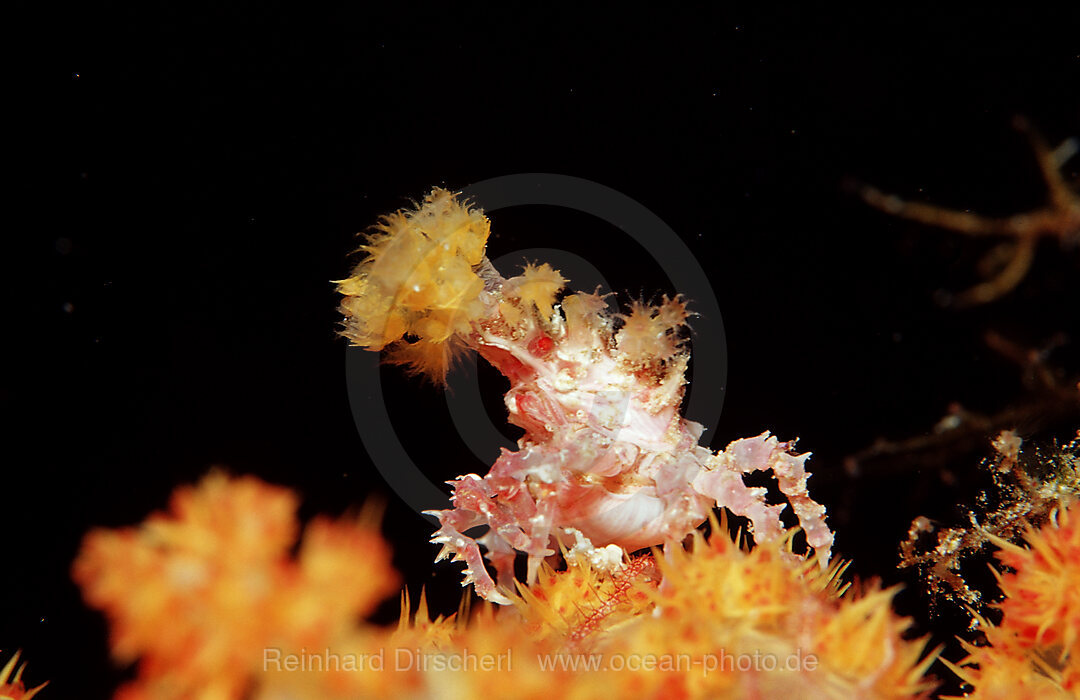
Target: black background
(218, 164)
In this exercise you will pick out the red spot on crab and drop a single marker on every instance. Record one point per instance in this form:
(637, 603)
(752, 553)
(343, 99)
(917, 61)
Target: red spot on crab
(541, 345)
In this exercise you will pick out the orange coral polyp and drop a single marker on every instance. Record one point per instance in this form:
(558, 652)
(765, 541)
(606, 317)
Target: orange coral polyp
(650, 332)
(537, 285)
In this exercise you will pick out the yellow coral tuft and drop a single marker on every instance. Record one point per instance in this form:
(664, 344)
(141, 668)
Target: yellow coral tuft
(587, 322)
(417, 288)
(537, 285)
(651, 332)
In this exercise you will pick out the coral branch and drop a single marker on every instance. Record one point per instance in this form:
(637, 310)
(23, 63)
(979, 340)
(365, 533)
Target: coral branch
(1059, 218)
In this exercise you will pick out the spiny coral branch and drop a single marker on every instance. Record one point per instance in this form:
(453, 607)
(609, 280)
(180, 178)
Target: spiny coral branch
(1026, 492)
(11, 683)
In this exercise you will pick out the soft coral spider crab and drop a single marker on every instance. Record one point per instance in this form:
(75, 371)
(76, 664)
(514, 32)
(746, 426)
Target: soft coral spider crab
(607, 465)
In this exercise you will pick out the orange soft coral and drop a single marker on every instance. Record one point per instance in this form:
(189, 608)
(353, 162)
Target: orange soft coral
(210, 600)
(199, 593)
(712, 620)
(774, 624)
(582, 603)
(1042, 594)
(1038, 638)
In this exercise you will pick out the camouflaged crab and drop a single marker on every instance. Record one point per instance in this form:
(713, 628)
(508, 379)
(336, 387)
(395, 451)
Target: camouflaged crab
(607, 464)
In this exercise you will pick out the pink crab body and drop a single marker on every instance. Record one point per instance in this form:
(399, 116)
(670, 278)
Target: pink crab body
(606, 458)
